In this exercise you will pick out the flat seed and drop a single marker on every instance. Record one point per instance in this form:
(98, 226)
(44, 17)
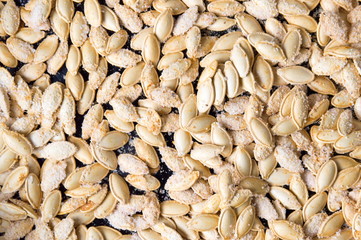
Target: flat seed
(93, 12)
(326, 175)
(149, 137)
(108, 233)
(119, 188)
(110, 20)
(17, 143)
(314, 205)
(46, 49)
(143, 182)
(270, 50)
(200, 124)
(240, 60)
(227, 222)
(182, 142)
(245, 221)
(94, 233)
(163, 25)
(287, 198)
(65, 9)
(113, 140)
(151, 49)
(293, 75)
(11, 212)
(51, 205)
(203, 222)
(346, 178)
(173, 208)
(286, 230)
(299, 109)
(331, 225)
(15, 180)
(106, 158)
(7, 159)
(10, 17)
(106, 207)
(205, 96)
(83, 152)
(93, 173)
(6, 57)
(304, 21)
(260, 132)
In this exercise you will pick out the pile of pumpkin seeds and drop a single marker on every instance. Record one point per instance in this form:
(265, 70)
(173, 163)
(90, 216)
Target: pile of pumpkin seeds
(261, 101)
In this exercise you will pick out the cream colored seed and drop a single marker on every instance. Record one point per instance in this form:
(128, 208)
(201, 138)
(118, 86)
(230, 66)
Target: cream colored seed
(228, 109)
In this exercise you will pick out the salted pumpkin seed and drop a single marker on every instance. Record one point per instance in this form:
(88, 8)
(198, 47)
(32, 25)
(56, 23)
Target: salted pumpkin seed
(119, 188)
(17, 143)
(326, 175)
(113, 140)
(15, 179)
(51, 205)
(286, 230)
(11, 212)
(203, 222)
(260, 132)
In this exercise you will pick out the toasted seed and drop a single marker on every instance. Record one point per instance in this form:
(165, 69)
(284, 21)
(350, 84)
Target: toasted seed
(119, 188)
(106, 207)
(181, 180)
(149, 137)
(20, 49)
(163, 25)
(6, 57)
(11, 212)
(305, 21)
(346, 178)
(173, 208)
(331, 225)
(106, 158)
(15, 179)
(46, 49)
(286, 230)
(93, 173)
(51, 205)
(79, 29)
(203, 222)
(200, 124)
(143, 182)
(10, 18)
(292, 75)
(227, 222)
(314, 205)
(7, 159)
(93, 12)
(110, 20)
(109, 233)
(245, 221)
(326, 175)
(260, 132)
(270, 50)
(285, 197)
(17, 143)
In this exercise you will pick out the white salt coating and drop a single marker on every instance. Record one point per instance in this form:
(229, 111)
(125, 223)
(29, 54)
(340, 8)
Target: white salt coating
(310, 179)
(288, 159)
(53, 175)
(265, 209)
(313, 224)
(185, 21)
(63, 229)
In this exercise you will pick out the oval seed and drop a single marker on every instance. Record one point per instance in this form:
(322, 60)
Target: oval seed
(15, 180)
(326, 175)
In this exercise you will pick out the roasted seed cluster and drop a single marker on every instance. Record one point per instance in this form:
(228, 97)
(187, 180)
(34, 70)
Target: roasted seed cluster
(261, 100)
